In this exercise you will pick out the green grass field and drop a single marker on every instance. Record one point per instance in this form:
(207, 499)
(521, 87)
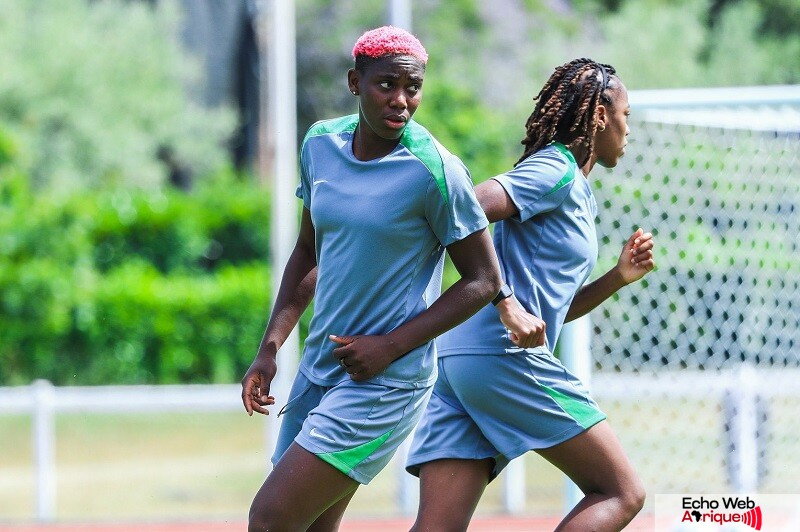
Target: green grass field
(208, 465)
(187, 466)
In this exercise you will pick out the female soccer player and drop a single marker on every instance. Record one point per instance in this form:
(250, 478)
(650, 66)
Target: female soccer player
(500, 391)
(382, 200)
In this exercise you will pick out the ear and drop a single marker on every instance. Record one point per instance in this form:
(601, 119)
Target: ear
(602, 117)
(353, 77)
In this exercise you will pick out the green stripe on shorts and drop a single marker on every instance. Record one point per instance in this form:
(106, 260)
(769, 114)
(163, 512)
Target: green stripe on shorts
(586, 415)
(346, 460)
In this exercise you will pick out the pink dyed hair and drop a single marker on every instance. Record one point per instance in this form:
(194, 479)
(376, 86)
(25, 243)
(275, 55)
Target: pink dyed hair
(389, 40)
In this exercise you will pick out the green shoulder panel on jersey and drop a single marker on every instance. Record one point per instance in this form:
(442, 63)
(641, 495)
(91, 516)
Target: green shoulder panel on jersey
(335, 125)
(420, 142)
(570, 174)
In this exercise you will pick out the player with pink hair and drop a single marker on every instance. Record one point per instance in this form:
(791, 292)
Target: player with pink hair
(382, 201)
(388, 40)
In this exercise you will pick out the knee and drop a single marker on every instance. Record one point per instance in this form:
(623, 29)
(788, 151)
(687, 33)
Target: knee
(633, 498)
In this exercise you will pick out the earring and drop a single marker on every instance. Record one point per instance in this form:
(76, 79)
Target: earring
(601, 127)
(354, 93)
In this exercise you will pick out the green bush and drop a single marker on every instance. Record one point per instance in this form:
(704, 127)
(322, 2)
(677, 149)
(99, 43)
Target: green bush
(131, 286)
(168, 230)
(150, 328)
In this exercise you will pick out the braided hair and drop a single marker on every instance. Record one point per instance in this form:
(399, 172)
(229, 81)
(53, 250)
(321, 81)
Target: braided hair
(566, 110)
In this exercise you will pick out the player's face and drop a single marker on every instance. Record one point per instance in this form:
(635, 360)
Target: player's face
(609, 144)
(389, 90)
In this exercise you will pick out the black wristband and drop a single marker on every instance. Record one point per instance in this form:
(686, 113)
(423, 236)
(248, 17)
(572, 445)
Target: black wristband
(505, 292)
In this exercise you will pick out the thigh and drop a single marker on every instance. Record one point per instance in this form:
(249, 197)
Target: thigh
(331, 519)
(300, 488)
(594, 460)
(357, 427)
(450, 491)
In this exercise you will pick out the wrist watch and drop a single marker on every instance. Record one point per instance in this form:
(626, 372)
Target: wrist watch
(505, 292)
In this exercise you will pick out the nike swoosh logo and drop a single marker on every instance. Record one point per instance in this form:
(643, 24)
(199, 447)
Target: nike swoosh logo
(316, 434)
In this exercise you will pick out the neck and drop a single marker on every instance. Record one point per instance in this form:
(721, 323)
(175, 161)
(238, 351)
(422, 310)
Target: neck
(586, 168)
(367, 147)
(580, 153)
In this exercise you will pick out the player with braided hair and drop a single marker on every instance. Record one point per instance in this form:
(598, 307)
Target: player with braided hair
(382, 201)
(568, 92)
(500, 391)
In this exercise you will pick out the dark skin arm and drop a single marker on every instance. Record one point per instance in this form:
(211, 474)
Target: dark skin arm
(526, 329)
(295, 293)
(495, 202)
(635, 261)
(475, 260)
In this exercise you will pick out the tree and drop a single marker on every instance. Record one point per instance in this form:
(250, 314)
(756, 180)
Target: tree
(95, 92)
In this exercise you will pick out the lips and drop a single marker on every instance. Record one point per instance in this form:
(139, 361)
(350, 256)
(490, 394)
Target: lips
(395, 121)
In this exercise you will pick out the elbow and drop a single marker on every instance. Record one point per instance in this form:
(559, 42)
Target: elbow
(497, 283)
(492, 285)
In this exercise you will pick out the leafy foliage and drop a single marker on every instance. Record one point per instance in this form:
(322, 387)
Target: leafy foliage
(114, 286)
(127, 281)
(92, 90)
(687, 43)
(485, 141)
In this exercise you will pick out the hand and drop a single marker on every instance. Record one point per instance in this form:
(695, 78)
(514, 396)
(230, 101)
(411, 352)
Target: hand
(636, 259)
(255, 385)
(363, 357)
(526, 329)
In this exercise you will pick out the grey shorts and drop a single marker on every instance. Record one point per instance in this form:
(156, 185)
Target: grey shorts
(500, 406)
(355, 427)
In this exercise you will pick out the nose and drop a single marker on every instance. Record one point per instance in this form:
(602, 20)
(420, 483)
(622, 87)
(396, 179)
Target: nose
(398, 100)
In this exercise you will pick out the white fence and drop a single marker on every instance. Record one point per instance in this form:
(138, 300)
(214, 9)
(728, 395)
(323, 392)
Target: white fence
(44, 401)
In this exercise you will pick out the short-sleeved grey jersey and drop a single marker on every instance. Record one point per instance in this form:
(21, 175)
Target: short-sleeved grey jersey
(381, 227)
(546, 252)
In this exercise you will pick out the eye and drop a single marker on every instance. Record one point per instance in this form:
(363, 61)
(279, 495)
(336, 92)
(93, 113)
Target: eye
(413, 89)
(385, 84)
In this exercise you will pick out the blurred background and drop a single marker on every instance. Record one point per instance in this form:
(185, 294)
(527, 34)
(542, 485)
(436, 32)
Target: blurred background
(138, 149)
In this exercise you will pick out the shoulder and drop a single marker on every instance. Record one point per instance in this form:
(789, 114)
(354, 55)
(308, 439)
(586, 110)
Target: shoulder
(420, 142)
(445, 169)
(334, 126)
(553, 168)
